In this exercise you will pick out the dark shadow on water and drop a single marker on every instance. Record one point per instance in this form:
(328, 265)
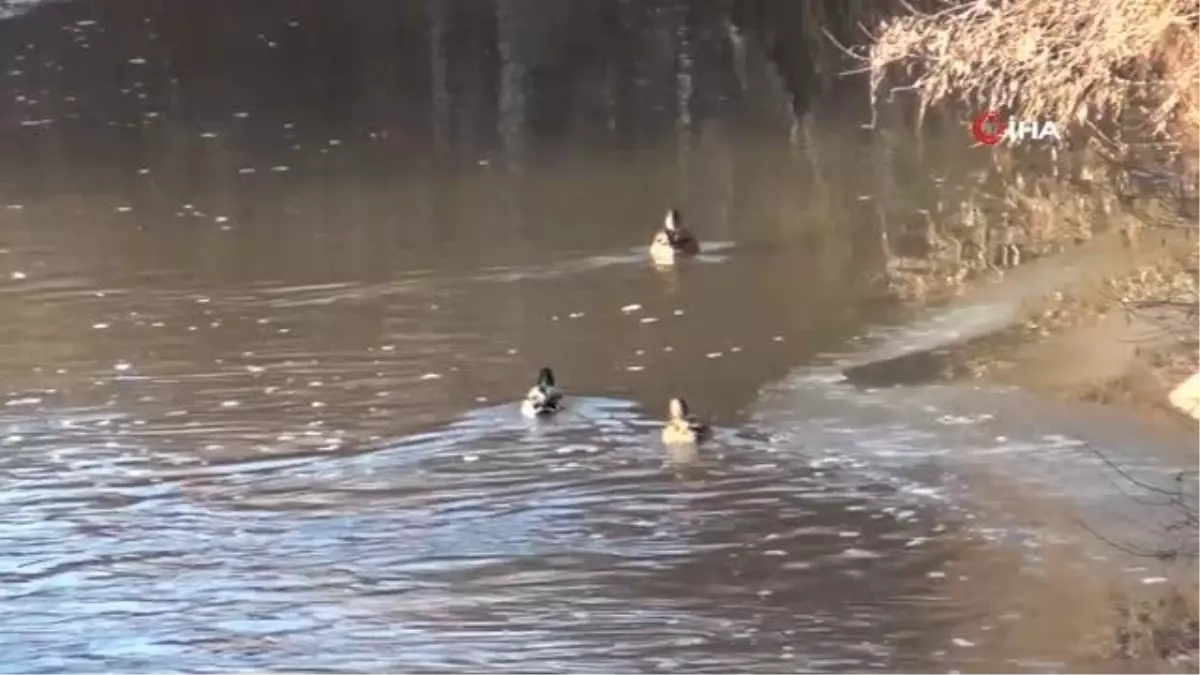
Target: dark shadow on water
(907, 370)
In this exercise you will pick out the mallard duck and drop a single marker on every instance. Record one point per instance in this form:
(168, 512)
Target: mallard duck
(673, 239)
(543, 399)
(681, 426)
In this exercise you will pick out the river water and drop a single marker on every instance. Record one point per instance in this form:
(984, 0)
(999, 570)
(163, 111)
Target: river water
(274, 277)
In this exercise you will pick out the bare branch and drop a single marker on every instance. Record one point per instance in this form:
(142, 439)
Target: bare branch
(1073, 61)
(844, 49)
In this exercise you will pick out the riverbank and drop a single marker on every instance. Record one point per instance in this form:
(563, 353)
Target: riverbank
(1122, 82)
(1098, 287)
(1096, 300)
(1122, 334)
(1122, 338)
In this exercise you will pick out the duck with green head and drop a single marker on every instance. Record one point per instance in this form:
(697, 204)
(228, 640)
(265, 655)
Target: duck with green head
(543, 398)
(682, 426)
(673, 239)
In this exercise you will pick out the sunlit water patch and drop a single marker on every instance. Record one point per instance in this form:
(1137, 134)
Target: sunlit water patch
(578, 533)
(14, 8)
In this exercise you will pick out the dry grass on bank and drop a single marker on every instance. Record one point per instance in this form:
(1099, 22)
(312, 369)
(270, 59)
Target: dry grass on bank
(1159, 631)
(1075, 61)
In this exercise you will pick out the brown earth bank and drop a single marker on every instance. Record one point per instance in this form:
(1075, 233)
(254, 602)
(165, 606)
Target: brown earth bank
(1104, 278)
(1124, 332)
(1123, 80)
(1127, 337)
(1120, 327)
(1117, 327)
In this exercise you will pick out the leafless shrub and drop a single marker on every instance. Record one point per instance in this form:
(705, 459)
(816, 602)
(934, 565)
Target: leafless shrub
(1161, 631)
(1079, 61)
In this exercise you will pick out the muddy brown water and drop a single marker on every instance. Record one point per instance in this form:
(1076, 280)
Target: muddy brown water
(274, 278)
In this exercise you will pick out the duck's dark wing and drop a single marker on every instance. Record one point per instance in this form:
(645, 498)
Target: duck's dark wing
(553, 400)
(684, 241)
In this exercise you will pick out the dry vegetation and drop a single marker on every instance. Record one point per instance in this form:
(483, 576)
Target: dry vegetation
(1083, 62)
(1159, 632)
(1123, 75)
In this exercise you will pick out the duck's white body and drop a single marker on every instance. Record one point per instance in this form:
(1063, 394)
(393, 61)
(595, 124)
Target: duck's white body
(539, 403)
(682, 428)
(661, 250)
(543, 398)
(673, 240)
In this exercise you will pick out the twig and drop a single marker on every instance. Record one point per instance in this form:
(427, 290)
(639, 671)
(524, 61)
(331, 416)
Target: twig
(1160, 554)
(845, 50)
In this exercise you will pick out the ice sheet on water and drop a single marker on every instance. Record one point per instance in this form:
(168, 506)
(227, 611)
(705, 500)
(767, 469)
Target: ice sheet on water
(936, 440)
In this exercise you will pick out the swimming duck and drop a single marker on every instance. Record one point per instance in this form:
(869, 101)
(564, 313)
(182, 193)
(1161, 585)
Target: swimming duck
(673, 239)
(682, 426)
(543, 399)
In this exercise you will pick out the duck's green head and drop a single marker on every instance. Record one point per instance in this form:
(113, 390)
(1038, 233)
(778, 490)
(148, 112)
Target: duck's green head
(546, 378)
(677, 408)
